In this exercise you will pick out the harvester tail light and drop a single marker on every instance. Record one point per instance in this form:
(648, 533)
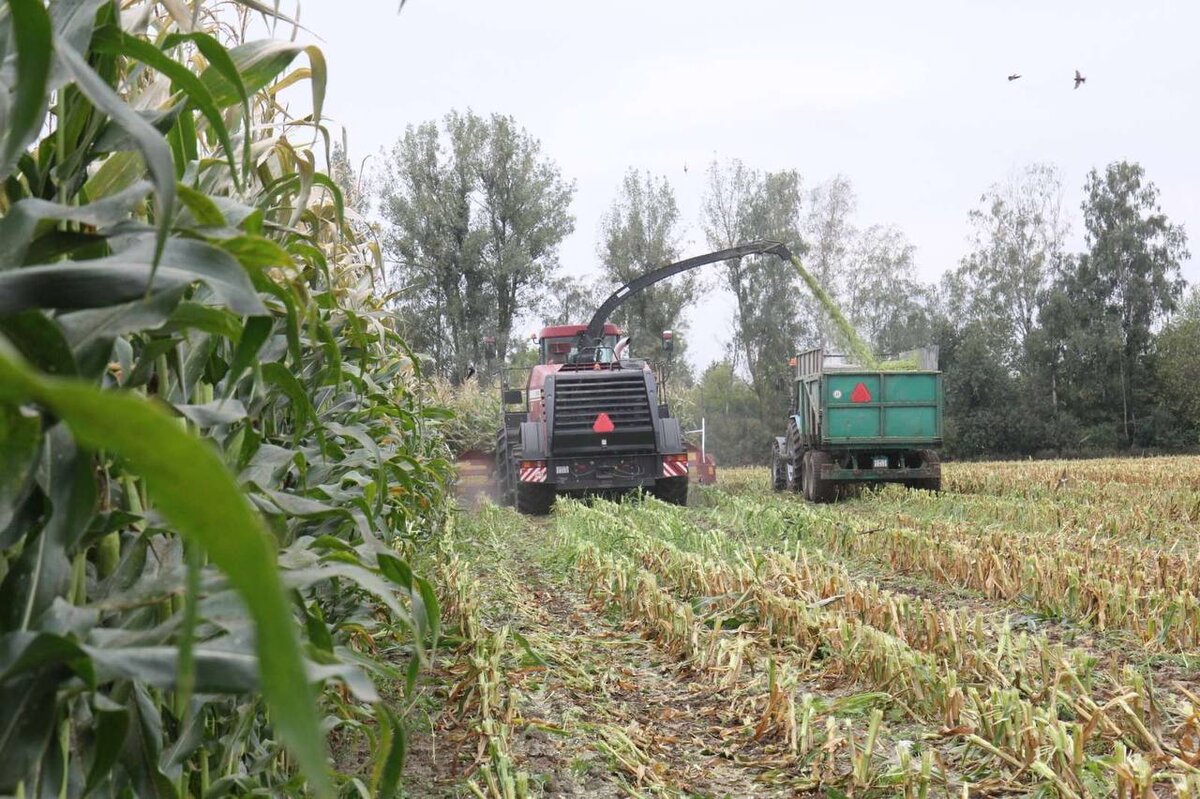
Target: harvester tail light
(675, 465)
(533, 471)
(603, 423)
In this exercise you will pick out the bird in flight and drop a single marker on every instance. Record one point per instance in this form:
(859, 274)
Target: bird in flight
(685, 167)
(1013, 77)
(1079, 79)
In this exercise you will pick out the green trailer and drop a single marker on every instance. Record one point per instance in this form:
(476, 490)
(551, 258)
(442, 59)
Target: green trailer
(851, 426)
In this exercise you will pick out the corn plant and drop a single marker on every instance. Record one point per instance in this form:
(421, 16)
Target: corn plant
(214, 451)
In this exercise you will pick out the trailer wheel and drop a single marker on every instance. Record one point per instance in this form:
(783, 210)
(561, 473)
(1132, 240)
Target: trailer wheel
(535, 499)
(805, 475)
(817, 488)
(672, 490)
(929, 458)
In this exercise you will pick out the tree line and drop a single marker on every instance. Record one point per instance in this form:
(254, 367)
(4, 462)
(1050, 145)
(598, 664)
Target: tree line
(1044, 349)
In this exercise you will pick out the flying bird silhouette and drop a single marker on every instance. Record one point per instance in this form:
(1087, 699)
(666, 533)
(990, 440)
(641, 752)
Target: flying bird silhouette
(1079, 79)
(685, 167)
(1013, 77)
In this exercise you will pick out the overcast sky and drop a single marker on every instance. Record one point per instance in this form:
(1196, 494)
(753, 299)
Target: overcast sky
(907, 100)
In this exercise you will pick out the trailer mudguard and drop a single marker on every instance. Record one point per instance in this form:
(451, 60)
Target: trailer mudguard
(535, 445)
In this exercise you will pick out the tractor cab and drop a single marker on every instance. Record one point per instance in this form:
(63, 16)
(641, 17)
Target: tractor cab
(561, 344)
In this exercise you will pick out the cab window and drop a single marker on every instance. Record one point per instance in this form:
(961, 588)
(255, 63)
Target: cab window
(558, 349)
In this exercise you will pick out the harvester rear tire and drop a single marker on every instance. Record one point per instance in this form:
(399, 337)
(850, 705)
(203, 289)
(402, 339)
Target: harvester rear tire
(672, 490)
(504, 470)
(818, 489)
(535, 499)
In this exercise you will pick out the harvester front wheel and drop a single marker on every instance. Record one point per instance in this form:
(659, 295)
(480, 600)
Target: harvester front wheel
(535, 499)
(672, 490)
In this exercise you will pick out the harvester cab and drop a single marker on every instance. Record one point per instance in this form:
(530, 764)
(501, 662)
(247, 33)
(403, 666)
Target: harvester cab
(590, 419)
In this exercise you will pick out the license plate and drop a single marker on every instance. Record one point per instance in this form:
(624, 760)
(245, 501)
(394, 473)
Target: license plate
(879, 463)
(562, 469)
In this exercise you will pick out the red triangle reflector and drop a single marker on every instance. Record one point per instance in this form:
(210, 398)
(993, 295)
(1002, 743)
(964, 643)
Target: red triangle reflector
(860, 393)
(602, 424)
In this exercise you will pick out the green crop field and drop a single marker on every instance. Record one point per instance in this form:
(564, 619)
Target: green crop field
(1031, 631)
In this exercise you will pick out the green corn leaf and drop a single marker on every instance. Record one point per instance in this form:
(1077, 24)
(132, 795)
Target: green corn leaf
(112, 725)
(142, 751)
(173, 464)
(203, 209)
(195, 316)
(222, 64)
(394, 749)
(258, 63)
(32, 34)
(20, 445)
(27, 652)
(43, 571)
(213, 671)
(150, 143)
(433, 611)
(20, 226)
(253, 337)
(277, 375)
(91, 332)
(213, 413)
(74, 21)
(118, 172)
(113, 41)
(41, 341)
(127, 276)
(26, 724)
(256, 253)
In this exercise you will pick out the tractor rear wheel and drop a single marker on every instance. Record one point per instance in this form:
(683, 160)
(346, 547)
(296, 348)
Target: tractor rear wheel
(535, 499)
(798, 460)
(779, 471)
(672, 490)
(817, 488)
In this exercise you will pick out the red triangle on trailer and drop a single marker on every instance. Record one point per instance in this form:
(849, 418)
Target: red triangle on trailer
(602, 424)
(860, 393)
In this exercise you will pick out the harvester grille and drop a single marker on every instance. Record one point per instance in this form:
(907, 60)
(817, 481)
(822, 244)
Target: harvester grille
(580, 398)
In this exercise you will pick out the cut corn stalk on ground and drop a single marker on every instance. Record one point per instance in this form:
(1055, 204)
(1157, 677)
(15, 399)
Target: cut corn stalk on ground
(1031, 631)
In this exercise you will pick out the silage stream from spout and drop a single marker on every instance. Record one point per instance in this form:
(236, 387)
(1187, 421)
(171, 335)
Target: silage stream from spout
(858, 349)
